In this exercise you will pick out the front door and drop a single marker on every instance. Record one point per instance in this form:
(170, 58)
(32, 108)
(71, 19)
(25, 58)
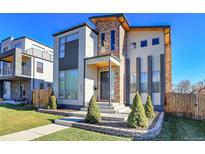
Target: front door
(104, 85)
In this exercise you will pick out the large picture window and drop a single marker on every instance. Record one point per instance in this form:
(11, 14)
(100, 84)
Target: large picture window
(155, 81)
(68, 84)
(143, 84)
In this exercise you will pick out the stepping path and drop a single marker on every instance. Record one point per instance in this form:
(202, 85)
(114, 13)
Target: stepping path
(33, 133)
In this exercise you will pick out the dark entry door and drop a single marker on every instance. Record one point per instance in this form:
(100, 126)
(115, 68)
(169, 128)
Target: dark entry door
(104, 85)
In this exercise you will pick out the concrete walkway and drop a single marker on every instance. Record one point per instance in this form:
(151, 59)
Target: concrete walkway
(33, 133)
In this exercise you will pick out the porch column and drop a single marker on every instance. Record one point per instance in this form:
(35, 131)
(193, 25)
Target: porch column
(110, 83)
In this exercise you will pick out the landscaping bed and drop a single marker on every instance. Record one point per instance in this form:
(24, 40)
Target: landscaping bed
(123, 124)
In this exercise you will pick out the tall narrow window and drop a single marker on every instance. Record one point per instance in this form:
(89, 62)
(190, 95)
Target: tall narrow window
(62, 84)
(62, 47)
(144, 88)
(102, 38)
(39, 67)
(155, 81)
(133, 83)
(112, 41)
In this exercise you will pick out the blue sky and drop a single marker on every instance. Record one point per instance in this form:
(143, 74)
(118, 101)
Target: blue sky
(188, 35)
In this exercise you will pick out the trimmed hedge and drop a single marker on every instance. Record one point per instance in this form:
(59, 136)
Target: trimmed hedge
(52, 104)
(137, 117)
(149, 109)
(93, 113)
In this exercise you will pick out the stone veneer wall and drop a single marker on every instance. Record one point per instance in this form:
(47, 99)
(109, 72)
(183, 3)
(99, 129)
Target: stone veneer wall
(106, 27)
(15, 91)
(120, 52)
(168, 65)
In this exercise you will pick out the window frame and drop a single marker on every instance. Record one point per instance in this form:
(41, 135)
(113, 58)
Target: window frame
(154, 39)
(38, 69)
(141, 43)
(102, 42)
(112, 40)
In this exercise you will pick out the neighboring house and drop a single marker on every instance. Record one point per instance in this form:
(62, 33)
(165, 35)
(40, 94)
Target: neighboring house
(25, 64)
(112, 62)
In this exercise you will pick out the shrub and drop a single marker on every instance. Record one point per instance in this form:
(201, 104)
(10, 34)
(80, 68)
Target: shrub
(149, 109)
(137, 117)
(52, 102)
(93, 114)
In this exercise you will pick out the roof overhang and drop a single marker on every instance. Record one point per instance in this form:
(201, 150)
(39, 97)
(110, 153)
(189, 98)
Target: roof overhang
(116, 17)
(102, 61)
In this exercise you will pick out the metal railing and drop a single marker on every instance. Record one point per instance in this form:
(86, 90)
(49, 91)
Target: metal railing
(26, 70)
(39, 53)
(6, 70)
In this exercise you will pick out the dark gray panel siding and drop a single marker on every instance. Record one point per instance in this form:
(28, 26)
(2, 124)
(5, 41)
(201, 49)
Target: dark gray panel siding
(149, 75)
(162, 79)
(1, 89)
(70, 59)
(127, 81)
(138, 73)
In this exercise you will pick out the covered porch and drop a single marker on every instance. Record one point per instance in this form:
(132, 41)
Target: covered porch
(101, 79)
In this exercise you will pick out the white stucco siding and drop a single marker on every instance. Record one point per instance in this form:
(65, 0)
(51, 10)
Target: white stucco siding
(33, 44)
(143, 53)
(84, 39)
(90, 83)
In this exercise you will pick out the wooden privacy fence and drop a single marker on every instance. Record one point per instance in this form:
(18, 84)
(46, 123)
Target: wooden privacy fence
(40, 97)
(185, 105)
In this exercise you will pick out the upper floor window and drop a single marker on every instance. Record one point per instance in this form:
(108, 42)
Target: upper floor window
(112, 41)
(64, 40)
(133, 45)
(39, 67)
(155, 41)
(62, 47)
(143, 84)
(143, 43)
(102, 39)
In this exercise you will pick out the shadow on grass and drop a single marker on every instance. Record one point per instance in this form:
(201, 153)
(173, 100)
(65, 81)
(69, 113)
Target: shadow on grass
(18, 107)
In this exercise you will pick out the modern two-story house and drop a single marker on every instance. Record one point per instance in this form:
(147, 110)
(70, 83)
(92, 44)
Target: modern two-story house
(112, 61)
(25, 64)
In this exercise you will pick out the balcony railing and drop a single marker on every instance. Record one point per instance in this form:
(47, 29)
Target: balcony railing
(39, 53)
(26, 70)
(7, 70)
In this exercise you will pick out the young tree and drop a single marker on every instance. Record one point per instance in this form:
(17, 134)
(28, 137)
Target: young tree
(137, 117)
(52, 102)
(149, 109)
(93, 114)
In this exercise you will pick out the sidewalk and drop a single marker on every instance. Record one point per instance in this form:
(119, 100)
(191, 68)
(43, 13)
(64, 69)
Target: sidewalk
(33, 133)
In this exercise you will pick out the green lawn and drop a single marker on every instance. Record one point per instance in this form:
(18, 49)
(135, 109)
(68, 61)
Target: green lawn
(17, 118)
(75, 134)
(179, 129)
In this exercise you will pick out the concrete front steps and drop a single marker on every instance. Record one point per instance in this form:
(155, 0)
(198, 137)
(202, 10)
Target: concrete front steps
(114, 108)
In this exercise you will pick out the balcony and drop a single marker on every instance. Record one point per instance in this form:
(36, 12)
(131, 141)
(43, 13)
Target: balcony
(7, 71)
(39, 54)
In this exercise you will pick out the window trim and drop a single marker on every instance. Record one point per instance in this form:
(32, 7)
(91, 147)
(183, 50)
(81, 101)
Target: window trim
(143, 42)
(112, 40)
(37, 68)
(156, 38)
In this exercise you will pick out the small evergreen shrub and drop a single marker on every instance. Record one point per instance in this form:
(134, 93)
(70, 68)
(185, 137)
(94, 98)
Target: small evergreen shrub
(149, 109)
(93, 114)
(52, 104)
(137, 117)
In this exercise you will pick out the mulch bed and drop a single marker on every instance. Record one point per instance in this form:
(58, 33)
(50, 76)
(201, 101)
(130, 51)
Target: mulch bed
(120, 124)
